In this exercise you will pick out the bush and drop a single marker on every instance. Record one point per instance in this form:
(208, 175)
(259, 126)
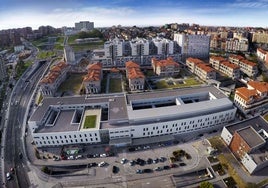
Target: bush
(46, 170)
(206, 184)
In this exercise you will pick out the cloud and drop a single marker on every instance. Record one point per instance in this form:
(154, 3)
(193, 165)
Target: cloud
(257, 4)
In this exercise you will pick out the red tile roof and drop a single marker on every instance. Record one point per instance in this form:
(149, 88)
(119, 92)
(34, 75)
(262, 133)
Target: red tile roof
(131, 64)
(250, 63)
(246, 93)
(133, 70)
(163, 63)
(230, 65)
(50, 78)
(237, 57)
(205, 67)
(260, 86)
(194, 60)
(135, 73)
(94, 72)
(95, 66)
(58, 67)
(217, 58)
(93, 75)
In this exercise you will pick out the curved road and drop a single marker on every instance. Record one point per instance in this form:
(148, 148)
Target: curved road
(14, 156)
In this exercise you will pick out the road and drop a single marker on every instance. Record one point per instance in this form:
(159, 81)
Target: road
(15, 131)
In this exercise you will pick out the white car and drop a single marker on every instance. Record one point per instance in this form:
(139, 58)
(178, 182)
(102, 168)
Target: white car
(123, 161)
(8, 176)
(101, 164)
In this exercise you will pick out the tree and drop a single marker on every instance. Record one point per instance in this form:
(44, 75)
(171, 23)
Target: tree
(206, 184)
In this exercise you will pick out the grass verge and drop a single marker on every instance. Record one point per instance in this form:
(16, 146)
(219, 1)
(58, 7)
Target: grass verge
(90, 122)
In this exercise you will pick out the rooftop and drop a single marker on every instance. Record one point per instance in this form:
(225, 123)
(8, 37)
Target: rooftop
(251, 137)
(260, 86)
(217, 58)
(62, 124)
(257, 123)
(194, 60)
(230, 65)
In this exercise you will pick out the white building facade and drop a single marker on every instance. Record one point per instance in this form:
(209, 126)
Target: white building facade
(132, 116)
(196, 46)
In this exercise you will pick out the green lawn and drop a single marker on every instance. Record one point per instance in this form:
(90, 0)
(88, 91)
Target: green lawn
(90, 122)
(186, 83)
(72, 83)
(265, 117)
(45, 54)
(87, 46)
(115, 85)
(21, 67)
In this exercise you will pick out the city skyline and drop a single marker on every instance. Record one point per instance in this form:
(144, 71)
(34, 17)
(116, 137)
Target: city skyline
(104, 13)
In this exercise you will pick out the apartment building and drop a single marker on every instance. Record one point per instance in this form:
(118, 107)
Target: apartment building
(246, 66)
(50, 83)
(261, 37)
(167, 67)
(84, 26)
(236, 45)
(247, 141)
(253, 98)
(135, 76)
(92, 81)
(200, 68)
(225, 67)
(196, 46)
(262, 55)
(117, 51)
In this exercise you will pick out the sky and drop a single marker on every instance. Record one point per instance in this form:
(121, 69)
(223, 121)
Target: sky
(106, 13)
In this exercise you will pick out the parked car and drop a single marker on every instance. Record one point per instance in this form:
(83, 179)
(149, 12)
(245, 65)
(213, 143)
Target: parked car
(8, 176)
(123, 161)
(102, 164)
(79, 157)
(92, 164)
(182, 164)
(158, 168)
(147, 170)
(162, 159)
(149, 161)
(90, 156)
(140, 162)
(155, 160)
(166, 167)
(131, 163)
(103, 155)
(71, 157)
(139, 171)
(172, 165)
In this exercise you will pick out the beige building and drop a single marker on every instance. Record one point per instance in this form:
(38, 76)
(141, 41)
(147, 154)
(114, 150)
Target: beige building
(135, 77)
(167, 67)
(260, 37)
(225, 67)
(262, 55)
(246, 66)
(57, 74)
(253, 98)
(200, 68)
(92, 81)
